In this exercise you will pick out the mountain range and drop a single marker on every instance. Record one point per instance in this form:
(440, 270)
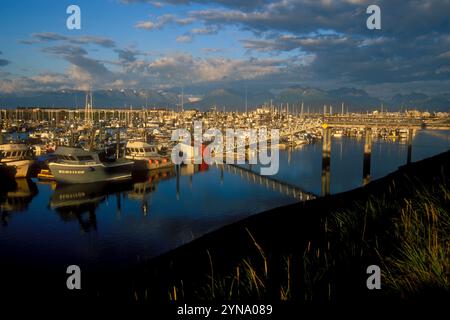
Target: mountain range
(229, 99)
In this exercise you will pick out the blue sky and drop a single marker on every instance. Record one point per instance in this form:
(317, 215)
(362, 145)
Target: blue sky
(109, 19)
(159, 44)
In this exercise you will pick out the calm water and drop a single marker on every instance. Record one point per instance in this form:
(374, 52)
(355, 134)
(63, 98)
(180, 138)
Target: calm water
(42, 223)
(303, 167)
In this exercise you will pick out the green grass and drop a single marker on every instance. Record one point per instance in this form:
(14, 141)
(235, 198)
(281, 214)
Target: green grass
(405, 230)
(422, 230)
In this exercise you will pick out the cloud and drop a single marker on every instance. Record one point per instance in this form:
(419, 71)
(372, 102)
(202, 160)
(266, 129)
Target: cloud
(44, 37)
(156, 4)
(247, 4)
(204, 31)
(131, 70)
(184, 21)
(212, 50)
(127, 54)
(92, 66)
(48, 36)
(4, 62)
(148, 25)
(183, 68)
(334, 32)
(100, 41)
(84, 72)
(289, 42)
(345, 16)
(445, 55)
(41, 82)
(66, 50)
(189, 36)
(28, 42)
(443, 69)
(163, 21)
(321, 42)
(184, 38)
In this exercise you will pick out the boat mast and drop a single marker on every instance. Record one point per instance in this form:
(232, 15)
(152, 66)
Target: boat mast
(88, 113)
(246, 106)
(89, 118)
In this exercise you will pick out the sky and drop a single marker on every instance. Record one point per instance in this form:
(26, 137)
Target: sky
(144, 44)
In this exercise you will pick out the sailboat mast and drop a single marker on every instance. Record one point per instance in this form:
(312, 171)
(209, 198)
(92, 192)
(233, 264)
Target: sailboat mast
(246, 100)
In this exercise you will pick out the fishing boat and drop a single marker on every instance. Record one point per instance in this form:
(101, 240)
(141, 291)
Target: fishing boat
(76, 165)
(145, 156)
(17, 156)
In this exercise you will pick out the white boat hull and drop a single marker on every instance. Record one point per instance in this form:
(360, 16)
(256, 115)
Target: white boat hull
(90, 173)
(22, 167)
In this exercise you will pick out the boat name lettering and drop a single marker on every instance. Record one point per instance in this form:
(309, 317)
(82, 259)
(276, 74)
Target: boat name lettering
(71, 171)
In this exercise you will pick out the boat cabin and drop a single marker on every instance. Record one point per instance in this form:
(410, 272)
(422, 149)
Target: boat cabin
(15, 151)
(140, 149)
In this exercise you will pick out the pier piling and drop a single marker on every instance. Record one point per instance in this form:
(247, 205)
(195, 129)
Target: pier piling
(367, 155)
(326, 159)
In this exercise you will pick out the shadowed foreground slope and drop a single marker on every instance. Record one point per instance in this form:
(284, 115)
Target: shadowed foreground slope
(320, 250)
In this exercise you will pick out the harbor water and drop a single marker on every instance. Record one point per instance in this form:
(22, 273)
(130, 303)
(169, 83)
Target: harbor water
(119, 225)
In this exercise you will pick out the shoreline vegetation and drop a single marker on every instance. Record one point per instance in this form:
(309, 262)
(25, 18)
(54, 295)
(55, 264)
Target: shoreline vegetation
(319, 250)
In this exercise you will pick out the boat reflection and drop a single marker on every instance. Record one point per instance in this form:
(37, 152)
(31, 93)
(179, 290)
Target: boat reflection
(79, 202)
(141, 190)
(188, 170)
(17, 198)
(147, 185)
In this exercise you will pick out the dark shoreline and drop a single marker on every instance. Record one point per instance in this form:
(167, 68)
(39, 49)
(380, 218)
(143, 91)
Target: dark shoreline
(284, 230)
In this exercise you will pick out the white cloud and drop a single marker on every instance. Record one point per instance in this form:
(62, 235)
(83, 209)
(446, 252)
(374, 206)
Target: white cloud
(184, 38)
(148, 25)
(163, 21)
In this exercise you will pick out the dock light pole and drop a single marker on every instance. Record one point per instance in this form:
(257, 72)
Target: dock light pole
(367, 155)
(326, 159)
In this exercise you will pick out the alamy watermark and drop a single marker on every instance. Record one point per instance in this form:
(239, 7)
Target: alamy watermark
(374, 20)
(74, 20)
(257, 146)
(74, 280)
(374, 280)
